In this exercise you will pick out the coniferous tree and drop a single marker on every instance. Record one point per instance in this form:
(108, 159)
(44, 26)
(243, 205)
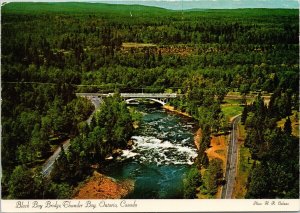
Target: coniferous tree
(21, 183)
(244, 114)
(288, 126)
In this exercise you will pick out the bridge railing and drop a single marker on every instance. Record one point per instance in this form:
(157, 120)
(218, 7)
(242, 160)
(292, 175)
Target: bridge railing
(133, 95)
(148, 95)
(92, 94)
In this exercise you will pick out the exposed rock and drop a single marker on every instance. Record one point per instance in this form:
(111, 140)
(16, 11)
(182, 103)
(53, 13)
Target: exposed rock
(95, 166)
(130, 143)
(117, 152)
(102, 187)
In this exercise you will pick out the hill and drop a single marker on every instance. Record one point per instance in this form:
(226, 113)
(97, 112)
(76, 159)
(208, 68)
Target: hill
(75, 7)
(136, 9)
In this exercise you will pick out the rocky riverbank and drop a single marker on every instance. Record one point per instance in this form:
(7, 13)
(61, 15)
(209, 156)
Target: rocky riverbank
(172, 109)
(100, 186)
(198, 134)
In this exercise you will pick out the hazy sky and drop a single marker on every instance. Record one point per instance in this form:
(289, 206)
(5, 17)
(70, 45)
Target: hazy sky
(188, 4)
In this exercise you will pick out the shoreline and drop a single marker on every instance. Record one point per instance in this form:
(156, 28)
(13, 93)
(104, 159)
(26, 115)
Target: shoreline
(197, 138)
(100, 186)
(172, 109)
(217, 143)
(198, 133)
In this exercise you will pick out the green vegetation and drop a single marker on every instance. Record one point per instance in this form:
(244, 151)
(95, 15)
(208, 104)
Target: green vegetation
(231, 111)
(137, 45)
(191, 183)
(245, 165)
(212, 179)
(50, 51)
(77, 8)
(91, 146)
(276, 150)
(136, 116)
(294, 118)
(245, 161)
(110, 129)
(214, 176)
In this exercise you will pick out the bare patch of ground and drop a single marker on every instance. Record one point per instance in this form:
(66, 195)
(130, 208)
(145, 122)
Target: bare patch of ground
(218, 148)
(197, 138)
(181, 50)
(136, 45)
(100, 186)
(176, 50)
(172, 109)
(236, 96)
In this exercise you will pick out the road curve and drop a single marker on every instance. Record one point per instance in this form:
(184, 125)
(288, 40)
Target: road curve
(231, 165)
(48, 165)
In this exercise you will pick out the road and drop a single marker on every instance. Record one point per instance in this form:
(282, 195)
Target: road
(231, 165)
(96, 101)
(48, 165)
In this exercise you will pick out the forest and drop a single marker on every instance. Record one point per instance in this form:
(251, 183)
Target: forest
(50, 51)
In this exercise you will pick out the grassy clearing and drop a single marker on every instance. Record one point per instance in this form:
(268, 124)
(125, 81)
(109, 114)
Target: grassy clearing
(295, 123)
(244, 166)
(136, 45)
(243, 172)
(232, 101)
(237, 98)
(231, 111)
(234, 93)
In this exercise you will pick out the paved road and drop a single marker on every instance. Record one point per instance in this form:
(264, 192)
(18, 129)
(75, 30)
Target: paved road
(96, 101)
(48, 165)
(231, 161)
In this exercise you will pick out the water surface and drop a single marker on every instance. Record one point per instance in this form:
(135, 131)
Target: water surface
(162, 154)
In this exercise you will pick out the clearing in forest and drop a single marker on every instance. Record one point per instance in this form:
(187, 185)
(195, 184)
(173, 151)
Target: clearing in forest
(136, 45)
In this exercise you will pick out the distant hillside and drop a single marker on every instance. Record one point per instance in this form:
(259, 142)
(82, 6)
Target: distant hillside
(131, 10)
(76, 7)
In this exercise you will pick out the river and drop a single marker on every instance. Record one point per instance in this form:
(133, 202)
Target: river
(162, 154)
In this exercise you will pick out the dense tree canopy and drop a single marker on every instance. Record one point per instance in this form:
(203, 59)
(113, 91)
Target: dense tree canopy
(51, 51)
(275, 175)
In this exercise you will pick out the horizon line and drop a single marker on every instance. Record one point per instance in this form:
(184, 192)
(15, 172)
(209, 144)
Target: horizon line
(169, 4)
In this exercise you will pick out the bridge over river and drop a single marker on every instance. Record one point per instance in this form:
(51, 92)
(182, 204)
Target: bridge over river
(161, 98)
(96, 99)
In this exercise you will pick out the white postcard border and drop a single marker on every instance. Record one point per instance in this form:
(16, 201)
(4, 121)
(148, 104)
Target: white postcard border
(151, 205)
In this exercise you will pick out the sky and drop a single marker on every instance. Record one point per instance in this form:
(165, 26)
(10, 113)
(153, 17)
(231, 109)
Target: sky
(190, 4)
(215, 4)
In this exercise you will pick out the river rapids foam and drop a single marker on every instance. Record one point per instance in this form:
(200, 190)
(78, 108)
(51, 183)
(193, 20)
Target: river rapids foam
(149, 149)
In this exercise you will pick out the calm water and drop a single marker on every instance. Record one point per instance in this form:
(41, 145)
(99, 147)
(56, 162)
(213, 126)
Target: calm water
(162, 154)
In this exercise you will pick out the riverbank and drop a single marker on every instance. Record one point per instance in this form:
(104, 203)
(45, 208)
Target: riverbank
(197, 138)
(216, 150)
(197, 135)
(100, 186)
(172, 109)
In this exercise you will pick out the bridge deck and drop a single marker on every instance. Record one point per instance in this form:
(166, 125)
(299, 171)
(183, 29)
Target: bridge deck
(148, 95)
(133, 95)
